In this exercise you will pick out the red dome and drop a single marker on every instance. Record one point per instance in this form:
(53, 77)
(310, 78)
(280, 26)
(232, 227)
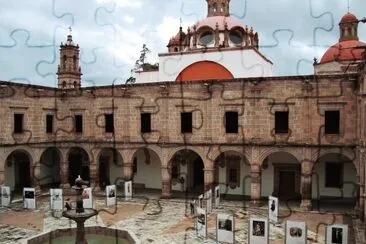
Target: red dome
(348, 18)
(344, 51)
(177, 38)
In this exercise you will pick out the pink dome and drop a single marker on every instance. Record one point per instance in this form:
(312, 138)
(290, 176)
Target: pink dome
(348, 18)
(220, 20)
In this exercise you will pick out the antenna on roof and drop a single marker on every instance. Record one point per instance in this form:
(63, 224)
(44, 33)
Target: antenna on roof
(180, 22)
(348, 5)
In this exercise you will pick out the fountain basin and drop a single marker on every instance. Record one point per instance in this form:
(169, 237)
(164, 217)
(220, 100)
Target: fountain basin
(94, 234)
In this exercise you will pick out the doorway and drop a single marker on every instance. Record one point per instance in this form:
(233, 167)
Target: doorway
(198, 173)
(287, 185)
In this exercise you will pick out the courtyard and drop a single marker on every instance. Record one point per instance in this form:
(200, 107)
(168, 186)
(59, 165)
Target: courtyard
(155, 220)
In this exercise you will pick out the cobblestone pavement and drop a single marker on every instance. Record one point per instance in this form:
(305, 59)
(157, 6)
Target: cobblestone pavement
(166, 221)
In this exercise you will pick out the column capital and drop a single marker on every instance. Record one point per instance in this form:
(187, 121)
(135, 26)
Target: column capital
(255, 168)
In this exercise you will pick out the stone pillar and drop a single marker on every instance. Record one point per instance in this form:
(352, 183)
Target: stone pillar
(36, 177)
(209, 178)
(306, 185)
(166, 182)
(94, 177)
(127, 171)
(64, 175)
(255, 175)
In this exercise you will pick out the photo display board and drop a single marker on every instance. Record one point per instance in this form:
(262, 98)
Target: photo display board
(296, 232)
(200, 201)
(336, 234)
(217, 196)
(87, 198)
(29, 198)
(56, 199)
(128, 190)
(111, 195)
(273, 209)
(225, 228)
(5, 196)
(201, 222)
(258, 231)
(208, 197)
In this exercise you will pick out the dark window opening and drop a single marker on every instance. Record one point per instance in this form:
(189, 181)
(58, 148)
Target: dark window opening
(331, 122)
(233, 170)
(281, 122)
(49, 123)
(109, 123)
(186, 122)
(231, 122)
(146, 122)
(78, 123)
(18, 123)
(233, 179)
(334, 175)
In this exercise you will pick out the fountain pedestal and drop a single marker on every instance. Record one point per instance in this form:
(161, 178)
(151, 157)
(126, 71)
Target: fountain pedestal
(79, 215)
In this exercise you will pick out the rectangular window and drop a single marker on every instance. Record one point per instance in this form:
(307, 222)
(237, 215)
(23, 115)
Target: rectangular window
(186, 122)
(281, 122)
(145, 122)
(18, 123)
(233, 173)
(109, 123)
(78, 123)
(331, 123)
(231, 122)
(334, 175)
(49, 123)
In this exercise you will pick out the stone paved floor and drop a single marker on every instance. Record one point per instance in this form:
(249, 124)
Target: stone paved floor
(166, 221)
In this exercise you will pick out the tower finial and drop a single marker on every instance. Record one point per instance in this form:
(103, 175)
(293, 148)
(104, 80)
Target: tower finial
(70, 30)
(348, 6)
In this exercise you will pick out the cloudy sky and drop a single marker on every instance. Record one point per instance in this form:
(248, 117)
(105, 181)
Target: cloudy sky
(111, 33)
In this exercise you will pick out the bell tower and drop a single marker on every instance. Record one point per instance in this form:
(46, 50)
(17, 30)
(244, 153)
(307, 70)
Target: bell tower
(218, 8)
(69, 71)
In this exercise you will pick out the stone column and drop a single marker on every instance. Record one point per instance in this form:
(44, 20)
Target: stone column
(306, 185)
(166, 182)
(94, 177)
(64, 175)
(209, 178)
(36, 177)
(127, 171)
(255, 174)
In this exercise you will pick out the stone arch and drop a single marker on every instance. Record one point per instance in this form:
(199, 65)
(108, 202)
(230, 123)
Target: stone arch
(232, 171)
(186, 168)
(146, 168)
(215, 153)
(110, 167)
(280, 174)
(265, 152)
(334, 175)
(348, 153)
(18, 169)
(79, 164)
(50, 167)
(199, 151)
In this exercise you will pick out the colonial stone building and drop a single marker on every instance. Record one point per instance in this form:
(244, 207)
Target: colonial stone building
(211, 114)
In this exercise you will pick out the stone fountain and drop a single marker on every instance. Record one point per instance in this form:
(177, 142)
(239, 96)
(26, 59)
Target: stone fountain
(80, 215)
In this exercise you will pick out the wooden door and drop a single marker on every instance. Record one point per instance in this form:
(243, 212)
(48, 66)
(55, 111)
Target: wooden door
(287, 184)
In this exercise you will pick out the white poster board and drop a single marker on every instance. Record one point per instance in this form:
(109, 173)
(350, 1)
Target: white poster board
(200, 201)
(128, 190)
(208, 197)
(336, 234)
(296, 232)
(273, 209)
(258, 231)
(217, 196)
(111, 195)
(87, 197)
(5, 196)
(29, 198)
(56, 200)
(225, 228)
(201, 222)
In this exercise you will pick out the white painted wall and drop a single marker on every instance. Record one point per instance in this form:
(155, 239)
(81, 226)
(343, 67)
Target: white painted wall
(245, 181)
(10, 176)
(241, 63)
(147, 77)
(150, 175)
(349, 177)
